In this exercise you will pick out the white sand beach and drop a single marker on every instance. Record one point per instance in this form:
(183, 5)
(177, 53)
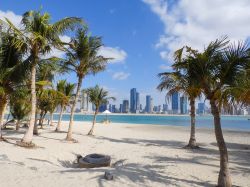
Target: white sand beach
(153, 156)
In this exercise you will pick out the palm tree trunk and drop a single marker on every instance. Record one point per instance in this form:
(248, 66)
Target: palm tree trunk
(224, 179)
(3, 104)
(51, 119)
(41, 118)
(58, 128)
(69, 134)
(17, 125)
(35, 130)
(192, 140)
(93, 124)
(29, 134)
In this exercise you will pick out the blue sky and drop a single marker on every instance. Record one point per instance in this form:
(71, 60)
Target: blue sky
(143, 34)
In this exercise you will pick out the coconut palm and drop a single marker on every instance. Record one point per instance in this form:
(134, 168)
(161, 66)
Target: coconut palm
(20, 105)
(12, 72)
(67, 90)
(83, 59)
(217, 69)
(37, 39)
(175, 82)
(97, 96)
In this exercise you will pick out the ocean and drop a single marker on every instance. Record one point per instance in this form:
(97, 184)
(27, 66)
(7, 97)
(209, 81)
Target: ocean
(228, 122)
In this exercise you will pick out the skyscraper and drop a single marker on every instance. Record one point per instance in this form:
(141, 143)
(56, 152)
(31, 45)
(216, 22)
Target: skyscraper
(84, 102)
(149, 104)
(125, 106)
(201, 108)
(121, 108)
(133, 95)
(183, 105)
(175, 102)
(137, 101)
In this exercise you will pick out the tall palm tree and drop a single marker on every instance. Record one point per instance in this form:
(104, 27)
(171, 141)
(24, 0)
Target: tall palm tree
(67, 90)
(97, 96)
(37, 39)
(175, 82)
(83, 59)
(12, 72)
(217, 69)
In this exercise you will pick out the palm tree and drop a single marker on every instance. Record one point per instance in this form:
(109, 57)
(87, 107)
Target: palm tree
(20, 105)
(36, 39)
(175, 82)
(12, 72)
(83, 59)
(217, 69)
(97, 96)
(67, 90)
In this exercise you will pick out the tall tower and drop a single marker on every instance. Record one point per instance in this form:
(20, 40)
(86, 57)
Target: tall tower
(133, 100)
(175, 103)
(149, 104)
(137, 101)
(183, 105)
(84, 102)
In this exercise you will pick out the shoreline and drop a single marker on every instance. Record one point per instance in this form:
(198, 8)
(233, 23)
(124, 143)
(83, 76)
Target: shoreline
(134, 114)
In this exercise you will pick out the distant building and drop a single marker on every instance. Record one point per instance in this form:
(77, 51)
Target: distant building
(103, 107)
(121, 107)
(133, 96)
(183, 105)
(175, 102)
(165, 108)
(137, 101)
(149, 104)
(125, 106)
(201, 108)
(84, 102)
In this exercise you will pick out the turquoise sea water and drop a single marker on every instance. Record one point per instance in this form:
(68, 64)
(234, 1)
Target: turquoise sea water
(228, 122)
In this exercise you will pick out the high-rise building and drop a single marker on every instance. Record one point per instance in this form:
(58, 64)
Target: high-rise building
(121, 107)
(201, 108)
(84, 102)
(125, 106)
(175, 103)
(113, 109)
(133, 96)
(137, 101)
(165, 108)
(103, 107)
(149, 104)
(183, 105)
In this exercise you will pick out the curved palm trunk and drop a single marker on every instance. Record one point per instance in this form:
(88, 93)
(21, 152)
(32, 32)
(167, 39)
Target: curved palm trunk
(41, 118)
(3, 104)
(69, 134)
(192, 140)
(29, 134)
(51, 119)
(224, 179)
(17, 125)
(93, 124)
(58, 128)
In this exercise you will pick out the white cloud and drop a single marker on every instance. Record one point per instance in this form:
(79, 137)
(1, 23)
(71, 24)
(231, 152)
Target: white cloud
(165, 67)
(120, 75)
(117, 54)
(14, 18)
(195, 23)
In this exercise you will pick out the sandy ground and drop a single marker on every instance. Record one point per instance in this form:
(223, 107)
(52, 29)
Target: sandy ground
(153, 156)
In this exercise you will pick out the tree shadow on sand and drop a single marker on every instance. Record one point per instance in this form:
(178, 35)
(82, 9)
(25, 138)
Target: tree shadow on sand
(140, 174)
(145, 142)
